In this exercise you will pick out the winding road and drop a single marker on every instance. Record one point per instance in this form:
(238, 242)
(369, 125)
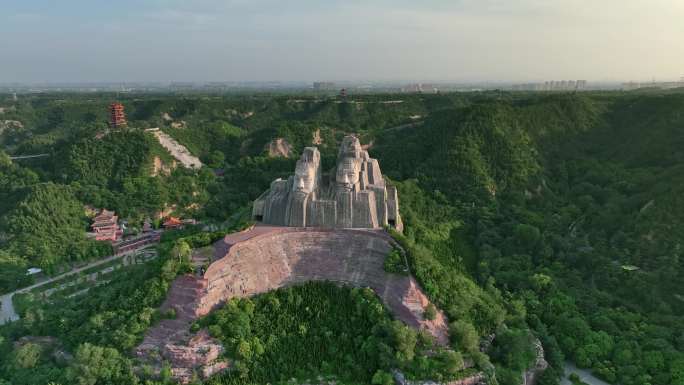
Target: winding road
(583, 374)
(9, 314)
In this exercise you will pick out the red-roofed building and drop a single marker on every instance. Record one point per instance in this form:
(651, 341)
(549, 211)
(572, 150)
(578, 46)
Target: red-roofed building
(173, 223)
(106, 227)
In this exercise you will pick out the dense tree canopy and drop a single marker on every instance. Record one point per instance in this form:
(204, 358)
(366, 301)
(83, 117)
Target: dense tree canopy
(556, 217)
(47, 227)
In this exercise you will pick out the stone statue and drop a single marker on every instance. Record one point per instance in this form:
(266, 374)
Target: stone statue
(357, 197)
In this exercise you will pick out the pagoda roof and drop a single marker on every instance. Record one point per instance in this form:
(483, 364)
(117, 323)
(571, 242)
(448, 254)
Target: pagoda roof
(172, 221)
(104, 214)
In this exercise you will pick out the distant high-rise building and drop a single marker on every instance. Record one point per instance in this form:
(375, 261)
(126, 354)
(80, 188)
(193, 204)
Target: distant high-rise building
(117, 118)
(323, 86)
(552, 85)
(629, 86)
(420, 88)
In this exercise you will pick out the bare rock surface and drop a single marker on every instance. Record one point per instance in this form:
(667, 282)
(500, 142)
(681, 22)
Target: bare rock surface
(279, 147)
(531, 376)
(317, 139)
(9, 124)
(159, 167)
(266, 258)
(178, 150)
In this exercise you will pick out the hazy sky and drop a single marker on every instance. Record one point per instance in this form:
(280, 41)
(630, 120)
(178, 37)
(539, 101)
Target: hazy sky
(423, 40)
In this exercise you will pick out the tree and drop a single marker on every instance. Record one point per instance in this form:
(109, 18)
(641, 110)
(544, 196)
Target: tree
(464, 336)
(12, 272)
(430, 312)
(99, 365)
(244, 350)
(405, 341)
(452, 361)
(382, 378)
(27, 355)
(181, 251)
(513, 349)
(217, 159)
(548, 377)
(527, 236)
(395, 263)
(47, 226)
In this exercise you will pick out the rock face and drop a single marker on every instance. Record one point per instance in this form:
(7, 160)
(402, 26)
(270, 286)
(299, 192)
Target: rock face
(10, 124)
(531, 376)
(283, 256)
(265, 258)
(278, 147)
(357, 197)
(178, 150)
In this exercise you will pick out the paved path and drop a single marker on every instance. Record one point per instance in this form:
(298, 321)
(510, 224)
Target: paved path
(406, 125)
(19, 157)
(8, 313)
(178, 151)
(583, 374)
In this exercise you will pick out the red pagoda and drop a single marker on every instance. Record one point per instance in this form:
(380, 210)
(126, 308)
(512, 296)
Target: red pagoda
(105, 226)
(117, 118)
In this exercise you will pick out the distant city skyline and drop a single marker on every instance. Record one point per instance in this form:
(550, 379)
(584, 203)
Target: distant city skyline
(79, 41)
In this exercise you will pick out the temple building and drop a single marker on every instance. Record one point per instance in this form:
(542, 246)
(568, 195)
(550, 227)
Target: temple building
(353, 195)
(105, 226)
(172, 223)
(117, 118)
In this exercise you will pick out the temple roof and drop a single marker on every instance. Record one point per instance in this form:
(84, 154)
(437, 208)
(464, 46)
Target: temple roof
(172, 222)
(104, 215)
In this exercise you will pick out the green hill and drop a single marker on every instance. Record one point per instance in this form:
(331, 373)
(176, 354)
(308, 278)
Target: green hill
(558, 216)
(557, 194)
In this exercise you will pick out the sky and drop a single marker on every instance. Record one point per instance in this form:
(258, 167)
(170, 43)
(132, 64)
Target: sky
(335, 40)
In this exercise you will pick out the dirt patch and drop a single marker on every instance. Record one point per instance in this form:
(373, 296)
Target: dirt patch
(279, 147)
(7, 124)
(159, 167)
(7, 109)
(317, 140)
(179, 125)
(178, 151)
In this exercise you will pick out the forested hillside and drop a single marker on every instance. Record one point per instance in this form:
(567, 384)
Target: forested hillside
(550, 216)
(574, 208)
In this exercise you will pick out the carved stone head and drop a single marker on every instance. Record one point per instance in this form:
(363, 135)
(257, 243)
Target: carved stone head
(347, 175)
(350, 148)
(306, 172)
